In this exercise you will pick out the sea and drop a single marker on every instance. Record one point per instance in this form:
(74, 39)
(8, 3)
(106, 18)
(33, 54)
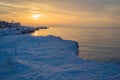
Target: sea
(95, 43)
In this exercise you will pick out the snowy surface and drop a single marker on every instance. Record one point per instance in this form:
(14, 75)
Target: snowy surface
(25, 57)
(16, 30)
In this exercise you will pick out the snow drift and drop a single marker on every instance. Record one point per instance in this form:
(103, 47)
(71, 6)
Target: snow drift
(25, 57)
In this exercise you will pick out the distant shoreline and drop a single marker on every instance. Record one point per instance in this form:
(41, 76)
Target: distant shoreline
(7, 28)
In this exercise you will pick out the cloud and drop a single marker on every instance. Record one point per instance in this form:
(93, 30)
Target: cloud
(93, 7)
(77, 8)
(96, 7)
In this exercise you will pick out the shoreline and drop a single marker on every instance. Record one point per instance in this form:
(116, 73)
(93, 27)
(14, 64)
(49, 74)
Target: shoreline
(7, 28)
(29, 57)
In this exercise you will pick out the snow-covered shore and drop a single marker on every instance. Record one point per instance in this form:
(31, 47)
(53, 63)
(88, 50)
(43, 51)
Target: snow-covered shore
(26, 57)
(16, 31)
(7, 28)
(19, 30)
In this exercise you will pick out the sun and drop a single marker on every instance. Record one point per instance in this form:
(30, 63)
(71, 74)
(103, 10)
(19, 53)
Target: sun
(36, 16)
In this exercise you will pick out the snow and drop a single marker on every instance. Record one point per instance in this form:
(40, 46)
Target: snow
(7, 28)
(26, 57)
(19, 30)
(16, 30)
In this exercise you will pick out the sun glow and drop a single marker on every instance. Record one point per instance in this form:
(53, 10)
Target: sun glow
(36, 16)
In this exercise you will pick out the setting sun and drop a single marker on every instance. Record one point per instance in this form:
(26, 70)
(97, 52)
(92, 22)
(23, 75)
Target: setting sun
(36, 16)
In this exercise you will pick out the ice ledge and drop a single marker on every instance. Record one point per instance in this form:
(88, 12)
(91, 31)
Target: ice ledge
(25, 57)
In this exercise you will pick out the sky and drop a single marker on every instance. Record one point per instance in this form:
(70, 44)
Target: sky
(102, 13)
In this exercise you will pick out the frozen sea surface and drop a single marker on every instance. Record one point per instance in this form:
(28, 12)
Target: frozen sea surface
(25, 57)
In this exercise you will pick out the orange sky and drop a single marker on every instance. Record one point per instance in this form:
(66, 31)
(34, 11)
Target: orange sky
(103, 13)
